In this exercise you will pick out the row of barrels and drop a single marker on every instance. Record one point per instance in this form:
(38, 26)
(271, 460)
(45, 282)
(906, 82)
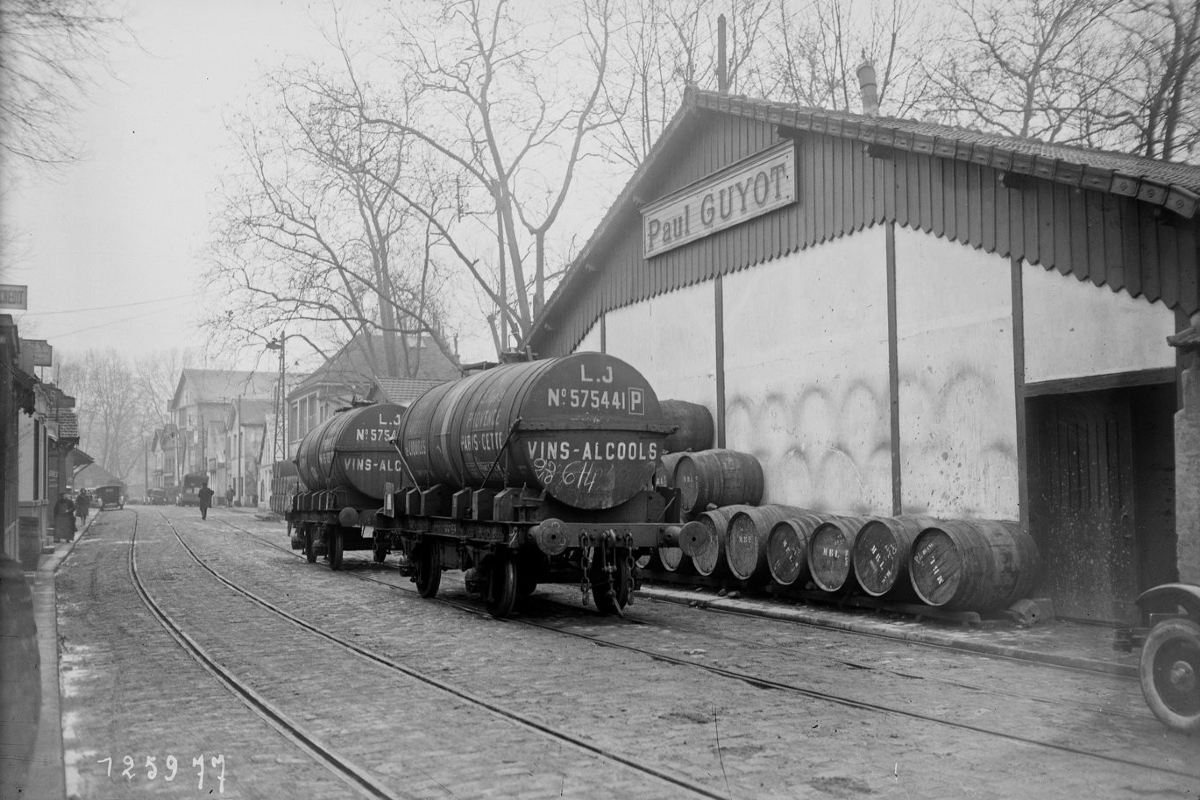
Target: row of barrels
(977, 565)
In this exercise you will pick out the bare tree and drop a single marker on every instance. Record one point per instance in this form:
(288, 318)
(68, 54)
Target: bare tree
(309, 237)
(1026, 69)
(503, 109)
(48, 48)
(1157, 101)
(119, 406)
(663, 46)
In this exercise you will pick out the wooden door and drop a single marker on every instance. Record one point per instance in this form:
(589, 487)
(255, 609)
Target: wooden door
(1082, 494)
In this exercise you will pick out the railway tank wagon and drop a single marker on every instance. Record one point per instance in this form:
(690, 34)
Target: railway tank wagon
(345, 465)
(533, 472)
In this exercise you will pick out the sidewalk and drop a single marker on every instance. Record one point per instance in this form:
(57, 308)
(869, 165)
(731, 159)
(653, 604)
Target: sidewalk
(46, 776)
(1055, 642)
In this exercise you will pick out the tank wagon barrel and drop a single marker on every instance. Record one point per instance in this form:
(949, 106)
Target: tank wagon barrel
(345, 466)
(530, 472)
(352, 450)
(587, 429)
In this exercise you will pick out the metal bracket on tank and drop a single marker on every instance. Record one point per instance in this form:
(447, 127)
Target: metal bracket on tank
(502, 450)
(395, 442)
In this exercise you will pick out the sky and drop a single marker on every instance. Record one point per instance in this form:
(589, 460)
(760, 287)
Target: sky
(111, 248)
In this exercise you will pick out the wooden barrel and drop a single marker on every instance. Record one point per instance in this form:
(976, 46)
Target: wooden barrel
(674, 560)
(882, 551)
(787, 547)
(718, 477)
(746, 539)
(664, 472)
(711, 562)
(829, 551)
(976, 565)
(694, 423)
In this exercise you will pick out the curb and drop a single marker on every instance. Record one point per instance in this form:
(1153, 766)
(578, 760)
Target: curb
(842, 621)
(47, 775)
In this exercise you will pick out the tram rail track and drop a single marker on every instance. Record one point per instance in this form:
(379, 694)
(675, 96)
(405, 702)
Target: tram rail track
(808, 653)
(357, 777)
(353, 774)
(762, 682)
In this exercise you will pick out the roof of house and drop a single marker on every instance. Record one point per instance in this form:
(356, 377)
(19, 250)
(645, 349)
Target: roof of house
(251, 411)
(1174, 187)
(223, 386)
(403, 390)
(358, 363)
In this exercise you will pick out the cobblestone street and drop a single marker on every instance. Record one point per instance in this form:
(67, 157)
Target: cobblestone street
(437, 699)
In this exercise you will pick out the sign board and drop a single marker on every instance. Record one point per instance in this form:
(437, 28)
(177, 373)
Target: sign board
(13, 296)
(736, 194)
(37, 353)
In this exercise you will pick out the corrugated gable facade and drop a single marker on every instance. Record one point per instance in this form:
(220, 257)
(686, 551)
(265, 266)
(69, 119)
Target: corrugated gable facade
(1137, 233)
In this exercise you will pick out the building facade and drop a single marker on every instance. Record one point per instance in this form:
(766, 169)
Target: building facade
(904, 318)
(199, 409)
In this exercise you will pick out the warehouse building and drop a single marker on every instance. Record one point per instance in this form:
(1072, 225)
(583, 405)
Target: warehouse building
(898, 317)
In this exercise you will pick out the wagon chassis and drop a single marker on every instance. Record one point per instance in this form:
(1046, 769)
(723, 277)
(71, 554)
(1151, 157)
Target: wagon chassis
(507, 542)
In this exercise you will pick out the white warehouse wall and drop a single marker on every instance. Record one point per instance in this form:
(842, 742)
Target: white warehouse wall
(1076, 329)
(958, 431)
(671, 339)
(806, 365)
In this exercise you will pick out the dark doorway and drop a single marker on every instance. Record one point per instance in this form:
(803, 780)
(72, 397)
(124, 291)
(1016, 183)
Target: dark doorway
(1101, 492)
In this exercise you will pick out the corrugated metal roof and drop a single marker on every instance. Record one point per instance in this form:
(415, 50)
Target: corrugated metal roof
(1061, 163)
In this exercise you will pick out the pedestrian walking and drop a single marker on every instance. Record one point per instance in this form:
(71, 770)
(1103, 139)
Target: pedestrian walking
(83, 503)
(229, 497)
(64, 518)
(206, 495)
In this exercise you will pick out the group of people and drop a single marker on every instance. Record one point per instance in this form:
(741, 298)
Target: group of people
(67, 511)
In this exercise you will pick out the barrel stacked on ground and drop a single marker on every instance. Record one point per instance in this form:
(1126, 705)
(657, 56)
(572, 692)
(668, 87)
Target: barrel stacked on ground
(967, 565)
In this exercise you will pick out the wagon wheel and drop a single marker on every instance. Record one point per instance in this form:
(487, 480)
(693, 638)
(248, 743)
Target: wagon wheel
(599, 579)
(502, 587)
(1170, 672)
(310, 546)
(381, 551)
(428, 573)
(335, 548)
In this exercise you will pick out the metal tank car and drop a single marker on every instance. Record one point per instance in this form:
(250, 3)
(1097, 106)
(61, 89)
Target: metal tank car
(525, 473)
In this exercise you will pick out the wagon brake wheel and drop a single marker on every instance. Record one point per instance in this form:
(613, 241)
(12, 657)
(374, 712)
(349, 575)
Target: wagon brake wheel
(1170, 673)
(501, 587)
(428, 573)
(335, 549)
(599, 579)
(310, 546)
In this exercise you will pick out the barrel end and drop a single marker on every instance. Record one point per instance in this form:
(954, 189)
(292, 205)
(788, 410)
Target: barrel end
(696, 538)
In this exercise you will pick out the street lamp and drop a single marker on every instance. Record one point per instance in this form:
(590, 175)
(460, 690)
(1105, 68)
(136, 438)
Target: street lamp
(279, 343)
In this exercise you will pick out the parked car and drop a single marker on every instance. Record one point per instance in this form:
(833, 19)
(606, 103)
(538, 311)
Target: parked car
(158, 497)
(1170, 659)
(109, 497)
